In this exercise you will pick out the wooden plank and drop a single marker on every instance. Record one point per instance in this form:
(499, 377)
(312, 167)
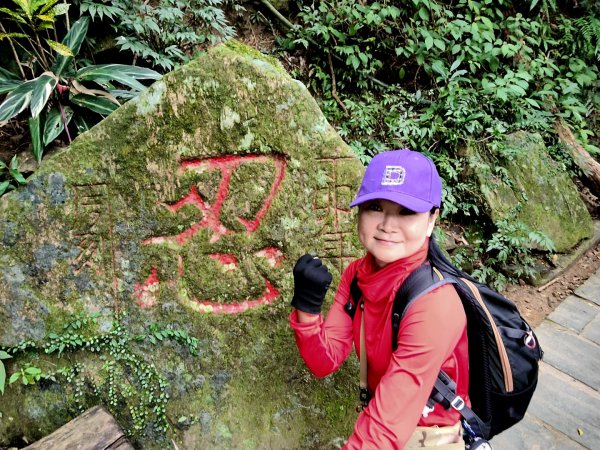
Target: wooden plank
(95, 429)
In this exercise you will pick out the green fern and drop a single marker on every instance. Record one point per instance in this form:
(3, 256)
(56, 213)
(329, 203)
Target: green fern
(589, 32)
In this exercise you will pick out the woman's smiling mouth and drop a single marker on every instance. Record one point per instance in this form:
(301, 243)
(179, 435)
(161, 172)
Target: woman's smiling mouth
(385, 241)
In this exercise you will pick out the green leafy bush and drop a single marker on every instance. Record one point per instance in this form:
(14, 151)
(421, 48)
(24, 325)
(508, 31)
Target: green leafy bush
(437, 76)
(56, 85)
(164, 33)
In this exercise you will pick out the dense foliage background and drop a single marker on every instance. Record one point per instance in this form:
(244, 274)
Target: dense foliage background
(437, 76)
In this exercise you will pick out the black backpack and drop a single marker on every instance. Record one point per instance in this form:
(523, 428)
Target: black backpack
(503, 351)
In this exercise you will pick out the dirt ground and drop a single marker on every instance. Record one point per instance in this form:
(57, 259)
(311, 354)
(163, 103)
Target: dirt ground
(535, 303)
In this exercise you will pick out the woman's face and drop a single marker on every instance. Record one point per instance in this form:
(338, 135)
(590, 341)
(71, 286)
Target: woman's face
(391, 232)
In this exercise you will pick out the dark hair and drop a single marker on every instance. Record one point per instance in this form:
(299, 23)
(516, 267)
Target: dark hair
(441, 261)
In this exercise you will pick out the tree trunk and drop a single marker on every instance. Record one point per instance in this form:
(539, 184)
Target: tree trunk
(588, 165)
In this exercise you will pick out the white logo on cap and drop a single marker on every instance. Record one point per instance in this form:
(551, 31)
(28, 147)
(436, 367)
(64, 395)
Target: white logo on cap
(393, 176)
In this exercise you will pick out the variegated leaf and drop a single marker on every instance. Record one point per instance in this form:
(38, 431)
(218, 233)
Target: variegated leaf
(43, 87)
(16, 101)
(55, 123)
(97, 104)
(60, 48)
(73, 40)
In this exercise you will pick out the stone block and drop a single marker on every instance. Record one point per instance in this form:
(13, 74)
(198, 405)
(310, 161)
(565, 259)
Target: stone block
(590, 290)
(533, 434)
(567, 406)
(574, 313)
(592, 330)
(570, 353)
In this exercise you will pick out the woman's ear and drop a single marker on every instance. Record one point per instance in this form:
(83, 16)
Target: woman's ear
(432, 219)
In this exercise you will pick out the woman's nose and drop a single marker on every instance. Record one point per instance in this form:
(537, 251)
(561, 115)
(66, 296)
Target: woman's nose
(388, 223)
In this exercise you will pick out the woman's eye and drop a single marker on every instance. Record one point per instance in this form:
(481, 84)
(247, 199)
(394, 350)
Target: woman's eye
(373, 206)
(407, 212)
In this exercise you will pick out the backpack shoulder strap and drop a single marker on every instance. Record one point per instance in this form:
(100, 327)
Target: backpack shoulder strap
(421, 281)
(355, 296)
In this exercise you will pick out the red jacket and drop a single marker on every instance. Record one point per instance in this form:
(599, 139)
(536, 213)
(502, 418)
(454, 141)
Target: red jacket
(432, 336)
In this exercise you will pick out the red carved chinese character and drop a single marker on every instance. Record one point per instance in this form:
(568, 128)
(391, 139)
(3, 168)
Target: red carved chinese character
(146, 292)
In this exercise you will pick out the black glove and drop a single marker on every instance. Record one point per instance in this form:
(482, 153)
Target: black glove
(311, 281)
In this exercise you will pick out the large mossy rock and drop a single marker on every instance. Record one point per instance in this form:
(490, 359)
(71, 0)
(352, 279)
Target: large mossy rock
(187, 208)
(528, 186)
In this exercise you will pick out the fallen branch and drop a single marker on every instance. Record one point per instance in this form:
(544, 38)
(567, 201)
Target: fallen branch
(547, 285)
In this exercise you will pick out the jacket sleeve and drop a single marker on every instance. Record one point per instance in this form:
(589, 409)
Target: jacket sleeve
(428, 334)
(325, 345)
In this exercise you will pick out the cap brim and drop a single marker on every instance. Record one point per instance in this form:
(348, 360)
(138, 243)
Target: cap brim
(412, 203)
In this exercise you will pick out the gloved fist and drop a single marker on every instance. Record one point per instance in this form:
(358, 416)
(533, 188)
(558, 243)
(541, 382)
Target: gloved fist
(311, 281)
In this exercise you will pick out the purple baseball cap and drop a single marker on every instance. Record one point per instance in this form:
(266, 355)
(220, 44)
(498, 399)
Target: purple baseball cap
(402, 176)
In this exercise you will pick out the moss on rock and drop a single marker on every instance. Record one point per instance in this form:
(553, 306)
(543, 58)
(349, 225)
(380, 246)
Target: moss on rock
(522, 183)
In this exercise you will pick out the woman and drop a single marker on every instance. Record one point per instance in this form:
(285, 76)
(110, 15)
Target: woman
(398, 204)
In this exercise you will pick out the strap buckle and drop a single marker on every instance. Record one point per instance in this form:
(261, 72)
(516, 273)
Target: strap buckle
(458, 403)
(426, 410)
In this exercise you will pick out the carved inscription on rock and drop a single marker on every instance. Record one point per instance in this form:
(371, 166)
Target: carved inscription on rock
(331, 205)
(232, 267)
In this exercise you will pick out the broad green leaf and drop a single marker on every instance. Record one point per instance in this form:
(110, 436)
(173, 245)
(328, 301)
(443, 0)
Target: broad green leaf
(16, 101)
(524, 75)
(12, 35)
(97, 104)
(428, 42)
(36, 138)
(9, 85)
(60, 9)
(517, 90)
(524, 84)
(34, 5)
(46, 18)
(487, 22)
(18, 176)
(455, 65)
(13, 14)
(25, 7)
(4, 355)
(4, 187)
(14, 163)
(60, 48)
(2, 370)
(14, 377)
(45, 26)
(49, 4)
(55, 124)
(82, 124)
(124, 74)
(73, 40)
(424, 14)
(42, 89)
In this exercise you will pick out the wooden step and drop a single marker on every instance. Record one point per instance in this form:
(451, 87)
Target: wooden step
(95, 429)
